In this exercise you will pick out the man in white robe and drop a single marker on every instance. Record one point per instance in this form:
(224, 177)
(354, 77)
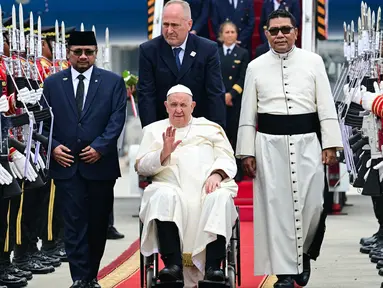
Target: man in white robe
(188, 211)
(286, 104)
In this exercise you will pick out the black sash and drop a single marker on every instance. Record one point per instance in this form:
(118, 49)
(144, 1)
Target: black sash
(288, 124)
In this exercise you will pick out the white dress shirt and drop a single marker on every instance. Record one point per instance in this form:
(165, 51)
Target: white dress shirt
(182, 52)
(75, 80)
(235, 3)
(231, 47)
(276, 4)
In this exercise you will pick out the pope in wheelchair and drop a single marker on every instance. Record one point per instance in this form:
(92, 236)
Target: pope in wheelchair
(188, 212)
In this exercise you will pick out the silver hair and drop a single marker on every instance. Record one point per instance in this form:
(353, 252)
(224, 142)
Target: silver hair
(185, 5)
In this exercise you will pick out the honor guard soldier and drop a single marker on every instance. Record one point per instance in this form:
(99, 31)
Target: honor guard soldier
(241, 13)
(234, 60)
(9, 274)
(292, 6)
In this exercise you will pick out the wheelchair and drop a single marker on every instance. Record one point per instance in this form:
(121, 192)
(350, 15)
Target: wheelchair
(231, 266)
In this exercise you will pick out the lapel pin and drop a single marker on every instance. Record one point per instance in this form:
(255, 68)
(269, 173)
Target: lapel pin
(65, 79)
(96, 80)
(193, 54)
(235, 55)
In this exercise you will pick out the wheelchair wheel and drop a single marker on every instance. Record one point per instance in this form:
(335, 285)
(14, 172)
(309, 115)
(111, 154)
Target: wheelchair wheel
(231, 276)
(149, 277)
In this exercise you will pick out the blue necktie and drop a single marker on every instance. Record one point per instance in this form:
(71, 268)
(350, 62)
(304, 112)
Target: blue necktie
(176, 52)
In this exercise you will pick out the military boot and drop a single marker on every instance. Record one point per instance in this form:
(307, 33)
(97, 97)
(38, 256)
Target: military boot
(9, 280)
(27, 263)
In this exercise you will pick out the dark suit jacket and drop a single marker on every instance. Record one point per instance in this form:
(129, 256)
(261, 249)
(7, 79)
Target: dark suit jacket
(233, 68)
(293, 6)
(201, 73)
(262, 49)
(99, 125)
(243, 17)
(200, 11)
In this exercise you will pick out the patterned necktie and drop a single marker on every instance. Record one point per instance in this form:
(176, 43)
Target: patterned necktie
(176, 52)
(80, 93)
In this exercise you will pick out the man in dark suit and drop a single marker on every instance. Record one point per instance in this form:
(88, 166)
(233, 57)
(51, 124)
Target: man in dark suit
(292, 6)
(241, 13)
(200, 12)
(262, 49)
(179, 57)
(89, 108)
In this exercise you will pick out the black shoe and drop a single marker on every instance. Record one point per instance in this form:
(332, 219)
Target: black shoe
(11, 281)
(94, 284)
(214, 275)
(376, 258)
(380, 272)
(13, 270)
(58, 252)
(171, 273)
(80, 284)
(368, 240)
(303, 278)
(113, 234)
(45, 259)
(33, 265)
(379, 264)
(284, 281)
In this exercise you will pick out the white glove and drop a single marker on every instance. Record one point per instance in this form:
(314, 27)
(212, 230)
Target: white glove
(38, 94)
(379, 167)
(14, 171)
(24, 96)
(355, 93)
(368, 165)
(19, 160)
(4, 105)
(5, 177)
(378, 87)
(367, 100)
(40, 163)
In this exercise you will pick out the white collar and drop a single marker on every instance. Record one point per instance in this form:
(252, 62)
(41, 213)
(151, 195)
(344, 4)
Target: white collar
(231, 47)
(87, 73)
(183, 45)
(283, 55)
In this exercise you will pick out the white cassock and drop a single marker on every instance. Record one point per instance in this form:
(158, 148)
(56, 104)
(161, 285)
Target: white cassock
(177, 192)
(289, 182)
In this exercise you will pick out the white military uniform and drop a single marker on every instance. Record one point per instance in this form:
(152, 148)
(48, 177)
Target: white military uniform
(177, 192)
(289, 182)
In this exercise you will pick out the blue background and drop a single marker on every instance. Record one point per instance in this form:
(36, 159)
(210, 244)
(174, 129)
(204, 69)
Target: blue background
(346, 10)
(126, 19)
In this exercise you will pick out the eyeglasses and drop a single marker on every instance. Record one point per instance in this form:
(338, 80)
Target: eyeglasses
(87, 52)
(284, 29)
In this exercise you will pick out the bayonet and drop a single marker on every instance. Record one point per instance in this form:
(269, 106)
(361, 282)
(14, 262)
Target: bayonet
(22, 35)
(39, 41)
(82, 27)
(31, 35)
(63, 48)
(1, 36)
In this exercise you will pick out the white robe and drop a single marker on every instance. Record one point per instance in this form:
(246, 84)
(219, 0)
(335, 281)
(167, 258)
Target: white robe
(289, 182)
(177, 192)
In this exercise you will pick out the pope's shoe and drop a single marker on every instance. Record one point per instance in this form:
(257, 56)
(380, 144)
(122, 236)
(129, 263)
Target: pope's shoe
(284, 281)
(214, 275)
(171, 273)
(303, 278)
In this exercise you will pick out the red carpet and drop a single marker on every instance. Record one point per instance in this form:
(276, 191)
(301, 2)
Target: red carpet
(124, 271)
